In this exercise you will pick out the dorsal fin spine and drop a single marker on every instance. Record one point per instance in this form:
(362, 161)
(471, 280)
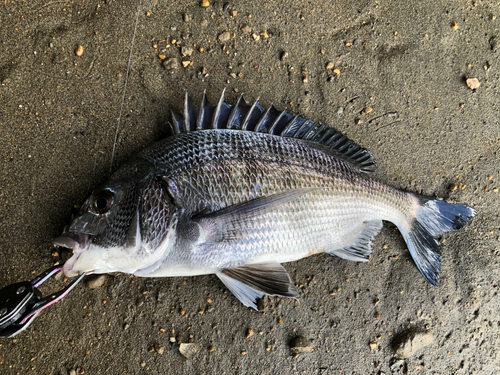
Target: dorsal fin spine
(293, 127)
(177, 123)
(199, 119)
(273, 126)
(327, 135)
(304, 128)
(189, 114)
(231, 122)
(260, 127)
(312, 131)
(215, 119)
(246, 123)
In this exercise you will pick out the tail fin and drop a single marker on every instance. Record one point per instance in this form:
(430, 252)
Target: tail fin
(432, 218)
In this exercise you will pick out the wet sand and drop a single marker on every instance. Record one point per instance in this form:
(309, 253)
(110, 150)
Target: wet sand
(391, 75)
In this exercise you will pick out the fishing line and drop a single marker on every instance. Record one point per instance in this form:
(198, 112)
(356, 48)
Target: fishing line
(125, 87)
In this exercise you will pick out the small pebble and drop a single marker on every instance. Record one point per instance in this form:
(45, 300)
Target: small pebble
(224, 37)
(159, 349)
(452, 187)
(171, 64)
(472, 83)
(234, 13)
(367, 110)
(454, 26)
(301, 345)
(95, 281)
(397, 365)
(205, 3)
(256, 36)
(250, 333)
(186, 51)
(143, 364)
(182, 312)
(185, 64)
(409, 342)
(330, 65)
(373, 345)
(203, 23)
(211, 348)
(377, 315)
(72, 372)
(243, 353)
(187, 18)
(284, 55)
(336, 71)
(189, 350)
(79, 51)
(246, 29)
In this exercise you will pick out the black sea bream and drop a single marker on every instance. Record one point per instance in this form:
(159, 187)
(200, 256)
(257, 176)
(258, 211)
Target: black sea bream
(237, 191)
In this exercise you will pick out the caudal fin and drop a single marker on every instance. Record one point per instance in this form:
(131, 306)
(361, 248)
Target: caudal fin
(432, 218)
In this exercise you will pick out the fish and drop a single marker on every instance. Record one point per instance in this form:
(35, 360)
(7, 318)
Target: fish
(238, 190)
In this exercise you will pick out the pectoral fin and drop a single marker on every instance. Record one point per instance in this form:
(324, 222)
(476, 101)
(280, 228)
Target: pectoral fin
(251, 282)
(229, 223)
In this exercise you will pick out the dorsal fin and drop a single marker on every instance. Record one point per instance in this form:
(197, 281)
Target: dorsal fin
(205, 113)
(190, 114)
(281, 123)
(238, 114)
(177, 123)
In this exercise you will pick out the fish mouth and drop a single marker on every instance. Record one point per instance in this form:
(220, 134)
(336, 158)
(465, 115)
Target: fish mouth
(78, 242)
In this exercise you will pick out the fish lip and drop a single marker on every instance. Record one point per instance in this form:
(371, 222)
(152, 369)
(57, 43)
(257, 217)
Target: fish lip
(76, 241)
(68, 266)
(70, 263)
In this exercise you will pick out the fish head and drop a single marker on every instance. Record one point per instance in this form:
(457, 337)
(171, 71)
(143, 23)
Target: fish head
(125, 225)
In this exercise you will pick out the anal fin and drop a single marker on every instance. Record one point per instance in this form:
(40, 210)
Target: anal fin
(361, 249)
(252, 281)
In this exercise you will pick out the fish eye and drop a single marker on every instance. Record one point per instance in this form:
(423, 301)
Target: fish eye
(103, 202)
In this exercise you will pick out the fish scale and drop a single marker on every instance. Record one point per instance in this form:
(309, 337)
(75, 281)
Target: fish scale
(238, 190)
